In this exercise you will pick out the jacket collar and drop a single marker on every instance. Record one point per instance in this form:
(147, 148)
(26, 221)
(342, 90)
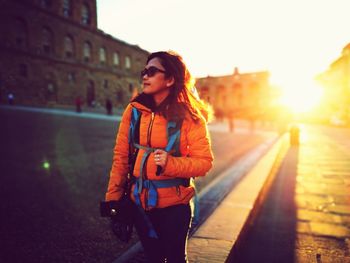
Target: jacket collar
(146, 102)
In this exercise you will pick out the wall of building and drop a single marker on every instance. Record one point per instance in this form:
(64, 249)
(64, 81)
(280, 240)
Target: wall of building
(336, 83)
(40, 73)
(239, 94)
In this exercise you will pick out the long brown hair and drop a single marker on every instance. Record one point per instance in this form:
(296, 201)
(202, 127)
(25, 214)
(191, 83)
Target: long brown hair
(180, 98)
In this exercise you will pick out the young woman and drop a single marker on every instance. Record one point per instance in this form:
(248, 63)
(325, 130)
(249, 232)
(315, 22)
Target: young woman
(162, 191)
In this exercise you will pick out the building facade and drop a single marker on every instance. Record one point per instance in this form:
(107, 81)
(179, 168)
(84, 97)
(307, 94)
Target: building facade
(336, 83)
(51, 52)
(240, 94)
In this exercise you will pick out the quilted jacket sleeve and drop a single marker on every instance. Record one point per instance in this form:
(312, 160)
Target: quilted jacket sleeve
(119, 170)
(200, 158)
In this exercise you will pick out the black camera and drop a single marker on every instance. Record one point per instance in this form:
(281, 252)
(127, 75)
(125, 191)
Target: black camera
(109, 208)
(121, 213)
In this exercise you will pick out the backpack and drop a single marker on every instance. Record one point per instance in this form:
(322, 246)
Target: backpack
(173, 134)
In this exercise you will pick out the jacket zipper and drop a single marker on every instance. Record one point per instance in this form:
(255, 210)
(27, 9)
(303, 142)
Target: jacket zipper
(149, 130)
(149, 136)
(149, 145)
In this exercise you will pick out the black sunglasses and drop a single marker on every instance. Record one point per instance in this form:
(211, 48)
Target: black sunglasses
(151, 71)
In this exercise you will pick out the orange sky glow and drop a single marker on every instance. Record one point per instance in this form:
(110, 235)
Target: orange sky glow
(294, 40)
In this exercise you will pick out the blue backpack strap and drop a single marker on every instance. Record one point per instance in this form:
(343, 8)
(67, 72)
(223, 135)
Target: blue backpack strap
(135, 117)
(173, 135)
(134, 121)
(153, 185)
(151, 230)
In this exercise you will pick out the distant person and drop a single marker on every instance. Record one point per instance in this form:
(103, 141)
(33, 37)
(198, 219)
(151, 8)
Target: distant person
(78, 103)
(109, 106)
(161, 177)
(93, 103)
(11, 98)
(252, 121)
(231, 121)
(219, 115)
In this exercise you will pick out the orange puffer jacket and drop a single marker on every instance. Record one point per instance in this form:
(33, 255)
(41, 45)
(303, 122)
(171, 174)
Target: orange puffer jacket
(196, 156)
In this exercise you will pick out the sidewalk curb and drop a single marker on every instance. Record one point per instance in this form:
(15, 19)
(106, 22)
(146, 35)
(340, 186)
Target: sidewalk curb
(283, 148)
(221, 234)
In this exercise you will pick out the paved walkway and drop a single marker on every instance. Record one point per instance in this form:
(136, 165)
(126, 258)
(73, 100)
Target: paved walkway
(306, 217)
(73, 184)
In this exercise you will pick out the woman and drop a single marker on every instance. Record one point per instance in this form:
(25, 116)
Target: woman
(166, 98)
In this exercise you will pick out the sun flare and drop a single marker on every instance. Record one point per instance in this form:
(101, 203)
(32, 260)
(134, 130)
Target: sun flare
(301, 98)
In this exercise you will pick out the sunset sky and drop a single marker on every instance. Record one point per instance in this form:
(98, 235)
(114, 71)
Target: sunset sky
(294, 40)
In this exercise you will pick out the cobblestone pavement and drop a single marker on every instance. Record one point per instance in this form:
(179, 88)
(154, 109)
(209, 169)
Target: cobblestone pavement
(306, 217)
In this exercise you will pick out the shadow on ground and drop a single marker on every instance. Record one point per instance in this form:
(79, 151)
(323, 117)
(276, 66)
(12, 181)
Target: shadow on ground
(271, 238)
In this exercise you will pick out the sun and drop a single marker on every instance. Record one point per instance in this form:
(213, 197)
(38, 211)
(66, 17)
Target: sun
(301, 98)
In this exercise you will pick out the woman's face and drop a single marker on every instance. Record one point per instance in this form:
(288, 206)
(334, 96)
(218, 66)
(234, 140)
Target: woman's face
(158, 82)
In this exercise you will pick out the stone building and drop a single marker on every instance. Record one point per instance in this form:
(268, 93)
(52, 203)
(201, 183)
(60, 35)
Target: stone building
(51, 51)
(336, 83)
(241, 94)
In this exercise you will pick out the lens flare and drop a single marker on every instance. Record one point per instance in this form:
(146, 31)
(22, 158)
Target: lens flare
(46, 165)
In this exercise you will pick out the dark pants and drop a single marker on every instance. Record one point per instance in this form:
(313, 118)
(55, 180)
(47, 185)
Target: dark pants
(172, 225)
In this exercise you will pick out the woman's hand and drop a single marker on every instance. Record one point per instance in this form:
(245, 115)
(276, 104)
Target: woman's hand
(160, 157)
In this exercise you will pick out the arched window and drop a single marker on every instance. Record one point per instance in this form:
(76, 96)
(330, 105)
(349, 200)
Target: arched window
(102, 55)
(127, 62)
(90, 94)
(47, 40)
(120, 95)
(87, 51)
(23, 70)
(66, 8)
(71, 77)
(46, 3)
(68, 46)
(20, 31)
(85, 14)
(204, 93)
(105, 83)
(238, 90)
(138, 64)
(115, 58)
(51, 89)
